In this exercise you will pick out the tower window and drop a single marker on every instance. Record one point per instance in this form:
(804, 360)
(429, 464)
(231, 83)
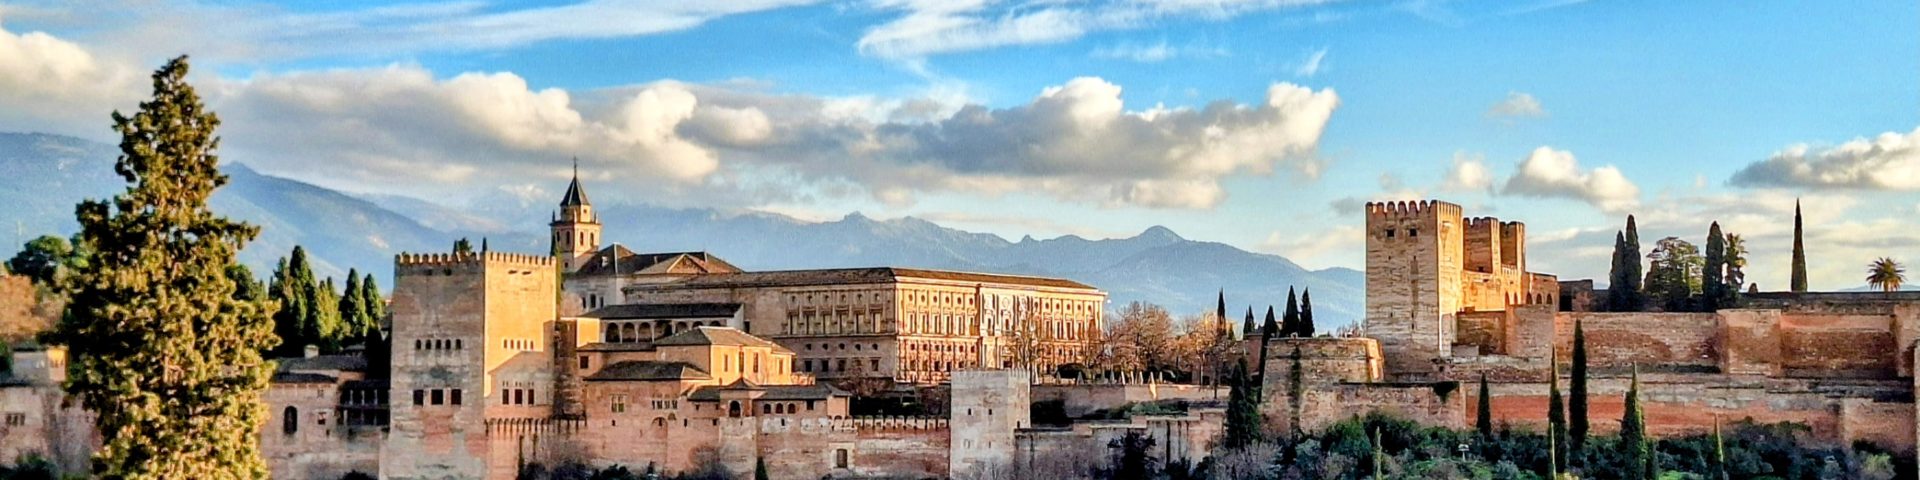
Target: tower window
(1413, 232)
(1389, 233)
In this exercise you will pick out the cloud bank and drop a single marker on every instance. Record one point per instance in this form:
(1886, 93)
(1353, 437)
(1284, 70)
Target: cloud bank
(1890, 161)
(1549, 173)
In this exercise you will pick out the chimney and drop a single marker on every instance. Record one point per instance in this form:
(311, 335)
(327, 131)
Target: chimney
(312, 351)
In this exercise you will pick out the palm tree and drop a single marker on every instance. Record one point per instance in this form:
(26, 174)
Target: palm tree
(1886, 274)
(1736, 261)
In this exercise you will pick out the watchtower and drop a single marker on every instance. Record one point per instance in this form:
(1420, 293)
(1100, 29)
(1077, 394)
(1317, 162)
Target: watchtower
(576, 229)
(1414, 262)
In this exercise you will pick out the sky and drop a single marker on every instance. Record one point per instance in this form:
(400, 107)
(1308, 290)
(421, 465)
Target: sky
(1264, 124)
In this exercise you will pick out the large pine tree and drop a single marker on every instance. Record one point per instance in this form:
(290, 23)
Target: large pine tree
(164, 354)
(1799, 254)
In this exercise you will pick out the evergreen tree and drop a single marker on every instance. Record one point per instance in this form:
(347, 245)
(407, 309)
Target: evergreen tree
(323, 321)
(1247, 329)
(1713, 281)
(1717, 464)
(162, 351)
(353, 309)
(1674, 275)
(1271, 327)
(246, 287)
(1379, 457)
(1483, 420)
(462, 246)
(1243, 420)
(1577, 422)
(1617, 292)
(1290, 321)
(1305, 327)
(1638, 300)
(759, 468)
(1556, 415)
(1635, 453)
(289, 289)
(1220, 310)
(47, 258)
(376, 304)
(1799, 254)
(1136, 460)
(1267, 333)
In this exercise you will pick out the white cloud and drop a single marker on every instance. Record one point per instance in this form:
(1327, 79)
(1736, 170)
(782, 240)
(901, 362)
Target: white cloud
(1517, 105)
(1320, 249)
(1890, 161)
(1468, 174)
(50, 82)
(1549, 173)
(931, 27)
(1312, 65)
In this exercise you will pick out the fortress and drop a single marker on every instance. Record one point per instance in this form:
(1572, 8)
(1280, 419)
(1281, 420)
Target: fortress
(680, 361)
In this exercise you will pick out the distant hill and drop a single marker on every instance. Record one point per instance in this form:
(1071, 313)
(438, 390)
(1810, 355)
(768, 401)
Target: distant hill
(52, 173)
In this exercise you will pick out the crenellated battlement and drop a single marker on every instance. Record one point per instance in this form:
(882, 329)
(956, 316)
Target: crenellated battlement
(467, 259)
(1484, 223)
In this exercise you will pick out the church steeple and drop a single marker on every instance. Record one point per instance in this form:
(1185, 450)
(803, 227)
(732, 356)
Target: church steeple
(576, 230)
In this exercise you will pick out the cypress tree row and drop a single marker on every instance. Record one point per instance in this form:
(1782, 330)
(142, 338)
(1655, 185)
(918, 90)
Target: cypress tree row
(1247, 328)
(1635, 453)
(1578, 427)
(353, 309)
(1305, 327)
(1713, 283)
(376, 304)
(162, 350)
(1483, 420)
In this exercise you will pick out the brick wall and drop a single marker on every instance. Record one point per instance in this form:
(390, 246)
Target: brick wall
(1816, 345)
(1623, 339)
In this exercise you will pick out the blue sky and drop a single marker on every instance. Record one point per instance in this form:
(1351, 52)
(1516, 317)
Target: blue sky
(1256, 123)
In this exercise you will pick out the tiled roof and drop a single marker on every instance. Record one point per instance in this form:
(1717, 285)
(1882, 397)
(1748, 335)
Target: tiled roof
(840, 276)
(617, 347)
(617, 259)
(717, 336)
(649, 370)
(665, 310)
(576, 195)
(289, 377)
(817, 391)
(346, 363)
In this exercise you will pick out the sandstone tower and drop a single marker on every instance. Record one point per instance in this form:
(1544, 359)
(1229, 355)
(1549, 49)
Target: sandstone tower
(576, 229)
(1414, 260)
(987, 408)
(470, 351)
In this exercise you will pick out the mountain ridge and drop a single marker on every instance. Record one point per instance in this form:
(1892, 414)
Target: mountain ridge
(364, 231)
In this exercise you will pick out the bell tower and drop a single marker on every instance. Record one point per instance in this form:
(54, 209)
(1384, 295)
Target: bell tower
(576, 229)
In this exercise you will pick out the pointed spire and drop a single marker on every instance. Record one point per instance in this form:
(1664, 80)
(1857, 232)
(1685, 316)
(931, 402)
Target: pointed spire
(1799, 279)
(576, 195)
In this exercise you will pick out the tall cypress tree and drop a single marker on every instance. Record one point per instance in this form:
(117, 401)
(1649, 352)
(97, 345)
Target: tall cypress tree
(1379, 456)
(353, 308)
(1556, 416)
(163, 352)
(1717, 464)
(1635, 275)
(1305, 327)
(1635, 454)
(1290, 322)
(1617, 286)
(1799, 254)
(323, 321)
(376, 304)
(1220, 310)
(1266, 336)
(1713, 283)
(1243, 409)
(1247, 329)
(1578, 427)
(289, 289)
(1483, 420)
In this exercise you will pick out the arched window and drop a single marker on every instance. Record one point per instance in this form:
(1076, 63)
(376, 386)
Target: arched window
(733, 409)
(290, 421)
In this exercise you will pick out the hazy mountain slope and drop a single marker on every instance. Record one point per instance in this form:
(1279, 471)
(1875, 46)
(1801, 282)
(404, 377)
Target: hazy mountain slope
(49, 174)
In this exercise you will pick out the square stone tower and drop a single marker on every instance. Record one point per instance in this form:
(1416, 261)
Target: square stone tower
(1414, 262)
(471, 336)
(986, 409)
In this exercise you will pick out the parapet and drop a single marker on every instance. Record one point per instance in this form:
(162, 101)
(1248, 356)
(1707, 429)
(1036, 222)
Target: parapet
(471, 258)
(1409, 208)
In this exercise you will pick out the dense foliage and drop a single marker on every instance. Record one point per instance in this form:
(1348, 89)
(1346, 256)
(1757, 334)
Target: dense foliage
(163, 352)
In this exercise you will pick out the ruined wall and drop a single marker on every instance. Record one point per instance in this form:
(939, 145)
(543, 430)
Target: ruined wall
(1082, 398)
(1578, 296)
(1414, 258)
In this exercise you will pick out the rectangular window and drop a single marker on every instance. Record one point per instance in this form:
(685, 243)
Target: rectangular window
(583, 361)
(505, 397)
(519, 397)
(1413, 232)
(439, 397)
(419, 397)
(16, 419)
(619, 403)
(456, 397)
(1390, 233)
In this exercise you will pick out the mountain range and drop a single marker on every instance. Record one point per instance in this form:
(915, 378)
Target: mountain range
(49, 174)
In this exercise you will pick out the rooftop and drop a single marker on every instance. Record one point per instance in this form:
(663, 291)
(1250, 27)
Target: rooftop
(649, 370)
(817, 391)
(670, 310)
(838, 276)
(717, 336)
(616, 259)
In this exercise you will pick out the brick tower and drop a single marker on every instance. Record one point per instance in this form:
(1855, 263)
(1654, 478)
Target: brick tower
(1414, 261)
